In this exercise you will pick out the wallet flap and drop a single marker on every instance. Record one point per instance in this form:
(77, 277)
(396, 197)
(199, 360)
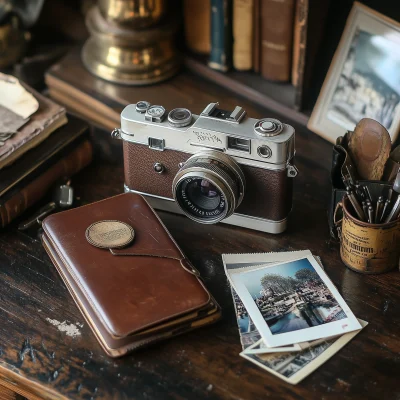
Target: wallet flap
(128, 294)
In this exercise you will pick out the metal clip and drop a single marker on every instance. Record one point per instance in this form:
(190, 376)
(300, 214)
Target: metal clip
(116, 133)
(292, 171)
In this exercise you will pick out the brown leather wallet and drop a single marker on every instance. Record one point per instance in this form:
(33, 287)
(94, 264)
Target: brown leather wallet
(132, 296)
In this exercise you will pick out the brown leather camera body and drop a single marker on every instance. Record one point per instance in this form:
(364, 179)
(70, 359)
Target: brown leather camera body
(268, 193)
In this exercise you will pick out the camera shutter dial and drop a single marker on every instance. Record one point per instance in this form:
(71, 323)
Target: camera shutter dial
(155, 114)
(142, 106)
(268, 127)
(179, 117)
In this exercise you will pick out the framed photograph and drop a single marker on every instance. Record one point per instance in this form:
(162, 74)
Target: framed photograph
(363, 80)
(294, 367)
(292, 302)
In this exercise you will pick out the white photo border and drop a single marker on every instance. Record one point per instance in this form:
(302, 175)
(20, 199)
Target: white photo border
(298, 376)
(345, 325)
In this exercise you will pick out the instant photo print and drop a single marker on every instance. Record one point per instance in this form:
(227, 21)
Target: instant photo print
(291, 301)
(294, 367)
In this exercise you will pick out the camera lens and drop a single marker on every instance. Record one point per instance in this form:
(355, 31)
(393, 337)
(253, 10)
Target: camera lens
(179, 117)
(209, 187)
(204, 194)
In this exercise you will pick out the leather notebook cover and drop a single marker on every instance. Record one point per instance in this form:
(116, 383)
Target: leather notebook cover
(118, 347)
(130, 290)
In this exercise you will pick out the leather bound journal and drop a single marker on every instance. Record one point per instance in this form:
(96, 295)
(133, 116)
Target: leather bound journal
(131, 296)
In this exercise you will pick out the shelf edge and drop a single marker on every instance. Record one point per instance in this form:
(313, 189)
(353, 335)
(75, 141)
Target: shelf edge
(244, 91)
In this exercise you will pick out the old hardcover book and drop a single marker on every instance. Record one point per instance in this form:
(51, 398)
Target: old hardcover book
(221, 35)
(309, 30)
(197, 25)
(92, 98)
(7, 394)
(41, 124)
(299, 41)
(24, 183)
(160, 294)
(99, 101)
(243, 34)
(256, 35)
(19, 200)
(276, 39)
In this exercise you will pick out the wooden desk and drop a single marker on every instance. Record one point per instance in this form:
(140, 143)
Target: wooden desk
(44, 361)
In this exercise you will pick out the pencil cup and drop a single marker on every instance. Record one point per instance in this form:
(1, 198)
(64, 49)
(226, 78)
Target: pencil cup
(364, 247)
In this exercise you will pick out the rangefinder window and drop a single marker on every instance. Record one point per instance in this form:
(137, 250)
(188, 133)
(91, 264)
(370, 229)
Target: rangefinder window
(239, 144)
(156, 144)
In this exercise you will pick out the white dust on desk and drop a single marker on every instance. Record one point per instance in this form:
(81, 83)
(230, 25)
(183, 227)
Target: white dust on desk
(69, 329)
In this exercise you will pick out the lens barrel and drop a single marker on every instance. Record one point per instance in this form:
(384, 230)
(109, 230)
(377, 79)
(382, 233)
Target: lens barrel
(209, 187)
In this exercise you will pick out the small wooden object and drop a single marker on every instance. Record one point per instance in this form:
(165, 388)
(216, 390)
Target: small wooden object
(369, 148)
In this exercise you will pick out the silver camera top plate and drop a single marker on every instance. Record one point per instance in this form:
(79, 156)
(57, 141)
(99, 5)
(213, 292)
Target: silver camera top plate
(231, 132)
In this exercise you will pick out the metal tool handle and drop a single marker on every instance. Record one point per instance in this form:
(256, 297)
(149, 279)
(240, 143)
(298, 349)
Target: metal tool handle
(338, 223)
(394, 212)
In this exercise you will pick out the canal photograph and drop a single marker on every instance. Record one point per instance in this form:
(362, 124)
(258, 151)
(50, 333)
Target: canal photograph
(292, 297)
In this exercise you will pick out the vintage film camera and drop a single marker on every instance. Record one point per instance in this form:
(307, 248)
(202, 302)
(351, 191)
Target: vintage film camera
(219, 166)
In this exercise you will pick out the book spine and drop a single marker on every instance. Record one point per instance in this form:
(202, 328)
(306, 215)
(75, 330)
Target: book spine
(243, 34)
(276, 39)
(197, 25)
(256, 35)
(221, 35)
(299, 41)
(35, 190)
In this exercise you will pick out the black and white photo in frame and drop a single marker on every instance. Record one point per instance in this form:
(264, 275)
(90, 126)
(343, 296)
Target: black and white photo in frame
(363, 80)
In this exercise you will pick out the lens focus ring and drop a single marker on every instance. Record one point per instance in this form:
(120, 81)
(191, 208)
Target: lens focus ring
(217, 170)
(212, 174)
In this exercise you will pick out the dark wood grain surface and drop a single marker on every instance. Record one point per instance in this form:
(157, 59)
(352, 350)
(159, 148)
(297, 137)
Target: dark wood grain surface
(204, 364)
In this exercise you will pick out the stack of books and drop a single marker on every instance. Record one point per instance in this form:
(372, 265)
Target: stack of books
(291, 317)
(39, 146)
(266, 36)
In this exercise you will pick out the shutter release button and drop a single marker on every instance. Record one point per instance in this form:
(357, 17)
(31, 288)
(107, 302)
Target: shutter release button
(268, 127)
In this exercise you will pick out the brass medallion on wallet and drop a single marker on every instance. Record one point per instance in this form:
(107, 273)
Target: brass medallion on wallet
(110, 234)
(131, 293)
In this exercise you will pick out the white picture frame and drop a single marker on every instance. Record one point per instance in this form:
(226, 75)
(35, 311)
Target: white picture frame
(363, 79)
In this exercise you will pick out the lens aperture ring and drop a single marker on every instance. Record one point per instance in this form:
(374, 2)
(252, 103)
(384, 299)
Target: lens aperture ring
(219, 171)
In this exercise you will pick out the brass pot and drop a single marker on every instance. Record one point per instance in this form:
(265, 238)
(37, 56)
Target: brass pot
(126, 56)
(136, 14)
(367, 248)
